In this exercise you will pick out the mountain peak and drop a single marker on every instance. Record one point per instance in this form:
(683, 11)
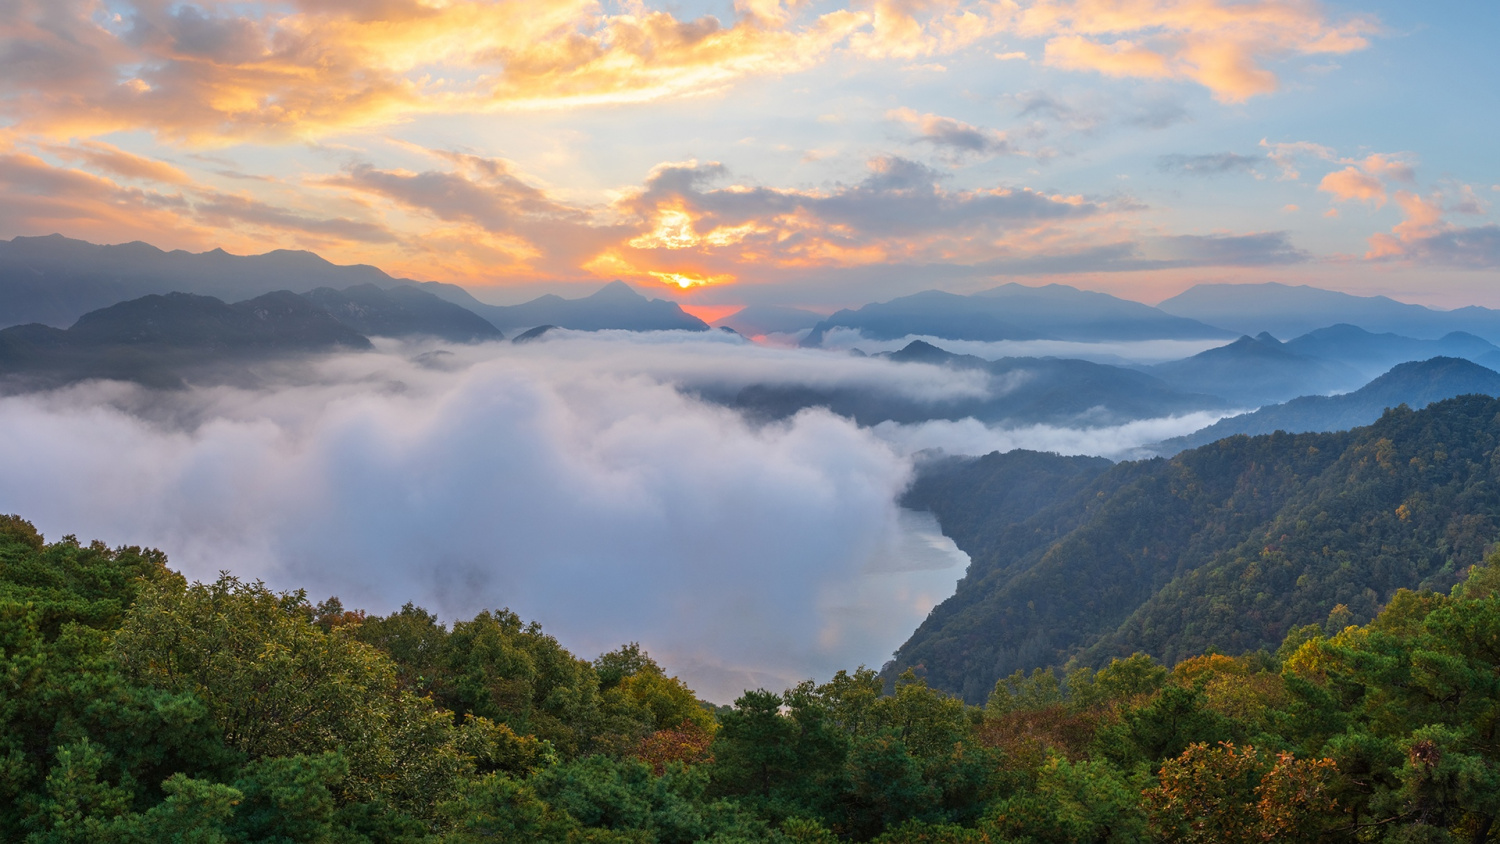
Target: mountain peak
(616, 291)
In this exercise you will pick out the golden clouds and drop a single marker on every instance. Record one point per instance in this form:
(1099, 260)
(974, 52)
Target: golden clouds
(899, 213)
(1352, 183)
(203, 74)
(112, 159)
(215, 73)
(689, 225)
(1221, 45)
(1363, 180)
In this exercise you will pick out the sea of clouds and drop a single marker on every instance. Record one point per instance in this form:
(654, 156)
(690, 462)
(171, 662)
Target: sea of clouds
(578, 480)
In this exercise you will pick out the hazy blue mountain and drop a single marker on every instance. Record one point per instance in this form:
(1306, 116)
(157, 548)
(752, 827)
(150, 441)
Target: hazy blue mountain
(616, 306)
(1373, 354)
(54, 280)
(407, 311)
(533, 334)
(163, 340)
(1415, 384)
(1254, 371)
(1225, 546)
(1015, 312)
(1023, 391)
(1288, 311)
(769, 319)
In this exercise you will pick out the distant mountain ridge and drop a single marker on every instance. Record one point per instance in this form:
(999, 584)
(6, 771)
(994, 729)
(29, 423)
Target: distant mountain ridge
(1257, 370)
(1289, 311)
(54, 280)
(614, 306)
(1415, 384)
(1052, 391)
(1373, 353)
(159, 339)
(769, 319)
(403, 311)
(170, 339)
(1015, 312)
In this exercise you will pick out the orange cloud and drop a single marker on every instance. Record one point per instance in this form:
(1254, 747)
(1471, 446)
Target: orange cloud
(112, 159)
(1425, 235)
(1351, 183)
(1423, 218)
(1122, 58)
(210, 76)
(1389, 167)
(216, 73)
(1221, 45)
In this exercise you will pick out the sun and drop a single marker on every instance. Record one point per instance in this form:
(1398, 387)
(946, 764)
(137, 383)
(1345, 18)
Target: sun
(686, 281)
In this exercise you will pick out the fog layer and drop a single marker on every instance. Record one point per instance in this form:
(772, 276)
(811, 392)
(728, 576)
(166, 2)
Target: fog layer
(575, 480)
(1119, 352)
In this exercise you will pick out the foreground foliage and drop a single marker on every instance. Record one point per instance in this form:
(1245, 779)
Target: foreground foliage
(136, 707)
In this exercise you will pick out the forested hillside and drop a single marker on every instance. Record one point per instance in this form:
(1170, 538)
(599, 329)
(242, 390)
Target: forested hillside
(1226, 546)
(137, 707)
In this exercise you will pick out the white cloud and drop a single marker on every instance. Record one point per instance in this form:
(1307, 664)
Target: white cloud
(972, 437)
(576, 480)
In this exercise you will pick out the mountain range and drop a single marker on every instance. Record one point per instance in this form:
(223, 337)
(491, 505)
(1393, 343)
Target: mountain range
(1015, 312)
(167, 340)
(1415, 384)
(615, 306)
(54, 280)
(1289, 311)
(1225, 546)
(402, 311)
(758, 320)
(1253, 371)
(1372, 354)
(1022, 391)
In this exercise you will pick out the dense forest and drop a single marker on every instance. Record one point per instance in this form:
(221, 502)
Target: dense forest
(1231, 545)
(138, 707)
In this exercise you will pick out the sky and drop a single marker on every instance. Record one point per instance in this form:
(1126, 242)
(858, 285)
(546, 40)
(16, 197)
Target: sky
(817, 154)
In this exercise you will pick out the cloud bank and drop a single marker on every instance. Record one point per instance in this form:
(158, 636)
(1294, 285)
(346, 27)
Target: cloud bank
(575, 480)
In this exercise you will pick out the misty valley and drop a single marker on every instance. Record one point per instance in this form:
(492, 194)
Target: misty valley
(365, 559)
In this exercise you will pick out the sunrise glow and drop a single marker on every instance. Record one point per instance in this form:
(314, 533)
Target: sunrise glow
(823, 153)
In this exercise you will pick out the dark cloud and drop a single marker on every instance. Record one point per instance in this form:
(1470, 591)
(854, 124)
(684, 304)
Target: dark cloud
(1250, 250)
(220, 39)
(898, 198)
(224, 208)
(1476, 247)
(962, 136)
(1159, 114)
(498, 203)
(954, 137)
(1040, 104)
(485, 193)
(1209, 165)
(1245, 250)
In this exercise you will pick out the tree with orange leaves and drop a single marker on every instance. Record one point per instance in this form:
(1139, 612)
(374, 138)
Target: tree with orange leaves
(1240, 795)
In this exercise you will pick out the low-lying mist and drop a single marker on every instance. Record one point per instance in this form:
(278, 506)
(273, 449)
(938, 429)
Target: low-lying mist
(1115, 352)
(576, 480)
